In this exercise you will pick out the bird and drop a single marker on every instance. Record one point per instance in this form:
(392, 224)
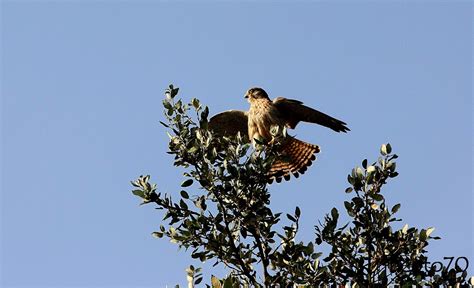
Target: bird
(295, 156)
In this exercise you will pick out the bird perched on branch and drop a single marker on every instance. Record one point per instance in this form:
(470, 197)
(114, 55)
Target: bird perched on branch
(265, 115)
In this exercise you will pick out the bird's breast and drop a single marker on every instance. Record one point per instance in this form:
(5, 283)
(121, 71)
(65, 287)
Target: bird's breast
(262, 116)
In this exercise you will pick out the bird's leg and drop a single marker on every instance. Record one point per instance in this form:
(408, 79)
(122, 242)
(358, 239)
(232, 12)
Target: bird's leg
(278, 133)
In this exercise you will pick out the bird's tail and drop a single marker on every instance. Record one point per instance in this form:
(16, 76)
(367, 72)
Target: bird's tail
(295, 156)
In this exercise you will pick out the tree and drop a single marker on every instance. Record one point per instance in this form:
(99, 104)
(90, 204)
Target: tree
(232, 224)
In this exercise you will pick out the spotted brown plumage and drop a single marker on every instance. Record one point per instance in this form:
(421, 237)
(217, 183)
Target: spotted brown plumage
(295, 155)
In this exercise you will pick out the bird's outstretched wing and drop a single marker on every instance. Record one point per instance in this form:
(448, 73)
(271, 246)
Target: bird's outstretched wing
(293, 111)
(229, 123)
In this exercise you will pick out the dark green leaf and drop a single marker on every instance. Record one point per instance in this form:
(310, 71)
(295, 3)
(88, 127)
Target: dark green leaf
(364, 163)
(423, 235)
(291, 217)
(184, 194)
(228, 282)
(297, 212)
(167, 104)
(139, 193)
(195, 103)
(183, 204)
(429, 231)
(386, 149)
(377, 197)
(395, 208)
(348, 206)
(334, 213)
(205, 113)
(187, 183)
(164, 124)
(193, 149)
(174, 92)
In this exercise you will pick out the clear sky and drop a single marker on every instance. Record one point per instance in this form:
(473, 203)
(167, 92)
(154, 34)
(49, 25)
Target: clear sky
(82, 84)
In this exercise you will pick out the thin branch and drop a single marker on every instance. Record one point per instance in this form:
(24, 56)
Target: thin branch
(265, 263)
(235, 251)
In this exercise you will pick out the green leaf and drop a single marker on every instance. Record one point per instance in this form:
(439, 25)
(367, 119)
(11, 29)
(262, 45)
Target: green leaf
(164, 124)
(297, 212)
(377, 197)
(350, 179)
(405, 229)
(193, 150)
(195, 103)
(334, 213)
(316, 264)
(167, 104)
(183, 204)
(184, 194)
(157, 234)
(423, 235)
(205, 113)
(187, 183)
(139, 193)
(349, 190)
(201, 203)
(198, 280)
(364, 163)
(174, 91)
(386, 149)
(359, 172)
(172, 231)
(348, 205)
(228, 283)
(395, 208)
(291, 217)
(429, 231)
(391, 165)
(370, 169)
(358, 201)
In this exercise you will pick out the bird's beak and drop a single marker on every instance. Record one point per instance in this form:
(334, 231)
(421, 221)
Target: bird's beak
(246, 96)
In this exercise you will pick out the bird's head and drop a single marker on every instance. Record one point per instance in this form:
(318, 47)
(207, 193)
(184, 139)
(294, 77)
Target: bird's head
(256, 93)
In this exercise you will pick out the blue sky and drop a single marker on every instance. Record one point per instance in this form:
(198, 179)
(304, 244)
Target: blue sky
(82, 83)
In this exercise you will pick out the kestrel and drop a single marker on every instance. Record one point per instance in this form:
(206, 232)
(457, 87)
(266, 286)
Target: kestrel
(265, 114)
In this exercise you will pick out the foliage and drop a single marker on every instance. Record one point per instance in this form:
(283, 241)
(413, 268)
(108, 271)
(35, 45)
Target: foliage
(368, 251)
(229, 221)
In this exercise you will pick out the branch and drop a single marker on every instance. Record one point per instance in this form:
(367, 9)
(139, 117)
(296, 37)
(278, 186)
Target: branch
(245, 270)
(256, 235)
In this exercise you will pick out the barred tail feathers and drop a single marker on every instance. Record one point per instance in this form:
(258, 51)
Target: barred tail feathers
(296, 157)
